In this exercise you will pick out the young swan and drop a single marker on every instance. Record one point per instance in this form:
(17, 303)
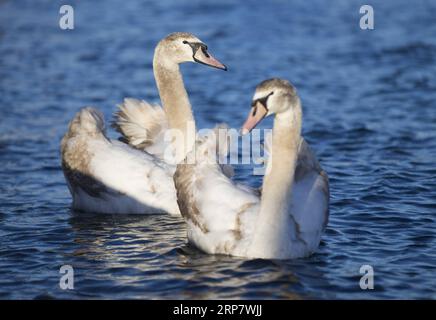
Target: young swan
(288, 218)
(106, 176)
(142, 125)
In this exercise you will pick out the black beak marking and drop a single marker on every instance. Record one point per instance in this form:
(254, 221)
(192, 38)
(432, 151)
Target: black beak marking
(195, 46)
(263, 101)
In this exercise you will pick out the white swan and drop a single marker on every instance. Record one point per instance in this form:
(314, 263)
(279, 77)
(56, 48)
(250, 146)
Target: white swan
(108, 176)
(287, 219)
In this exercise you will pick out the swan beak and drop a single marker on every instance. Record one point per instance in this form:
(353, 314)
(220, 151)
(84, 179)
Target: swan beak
(257, 113)
(206, 58)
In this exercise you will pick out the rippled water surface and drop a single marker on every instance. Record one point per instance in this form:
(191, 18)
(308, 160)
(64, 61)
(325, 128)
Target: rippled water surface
(369, 112)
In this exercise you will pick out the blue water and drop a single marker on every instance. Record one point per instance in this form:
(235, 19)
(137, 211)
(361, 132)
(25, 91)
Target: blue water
(369, 112)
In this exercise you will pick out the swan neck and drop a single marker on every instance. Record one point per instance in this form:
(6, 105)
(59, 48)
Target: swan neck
(279, 177)
(174, 97)
(274, 216)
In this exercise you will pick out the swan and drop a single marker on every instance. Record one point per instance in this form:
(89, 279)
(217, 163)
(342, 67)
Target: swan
(109, 176)
(286, 218)
(142, 125)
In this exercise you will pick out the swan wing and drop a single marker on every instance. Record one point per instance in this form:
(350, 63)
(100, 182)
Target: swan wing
(87, 124)
(136, 175)
(310, 196)
(215, 208)
(112, 177)
(142, 125)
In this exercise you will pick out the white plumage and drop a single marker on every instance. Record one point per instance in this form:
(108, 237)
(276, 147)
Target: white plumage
(285, 220)
(114, 177)
(109, 176)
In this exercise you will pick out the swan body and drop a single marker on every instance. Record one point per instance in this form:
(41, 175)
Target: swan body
(108, 176)
(286, 219)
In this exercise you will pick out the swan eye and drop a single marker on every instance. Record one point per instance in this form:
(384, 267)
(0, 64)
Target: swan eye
(185, 42)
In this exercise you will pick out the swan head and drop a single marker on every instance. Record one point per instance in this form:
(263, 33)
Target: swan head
(182, 47)
(272, 96)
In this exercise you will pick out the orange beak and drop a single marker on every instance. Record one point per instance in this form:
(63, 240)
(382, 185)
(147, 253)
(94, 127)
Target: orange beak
(257, 113)
(206, 58)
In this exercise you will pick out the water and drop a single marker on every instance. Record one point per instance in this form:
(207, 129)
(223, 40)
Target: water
(369, 113)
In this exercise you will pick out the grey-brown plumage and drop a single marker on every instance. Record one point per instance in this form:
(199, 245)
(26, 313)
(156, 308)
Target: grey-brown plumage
(274, 84)
(76, 157)
(184, 177)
